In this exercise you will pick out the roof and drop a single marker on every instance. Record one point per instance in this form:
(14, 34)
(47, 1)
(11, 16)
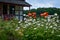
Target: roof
(18, 2)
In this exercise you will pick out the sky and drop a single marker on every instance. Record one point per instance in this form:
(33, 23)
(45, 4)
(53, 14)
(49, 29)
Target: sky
(43, 3)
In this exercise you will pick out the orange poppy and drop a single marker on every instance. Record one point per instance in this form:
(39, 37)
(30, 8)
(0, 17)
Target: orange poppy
(29, 14)
(34, 17)
(45, 13)
(45, 16)
(41, 14)
(34, 13)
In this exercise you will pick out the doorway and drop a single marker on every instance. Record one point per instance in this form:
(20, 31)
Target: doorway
(5, 9)
(5, 13)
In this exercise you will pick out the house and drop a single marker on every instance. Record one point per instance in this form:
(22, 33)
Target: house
(12, 8)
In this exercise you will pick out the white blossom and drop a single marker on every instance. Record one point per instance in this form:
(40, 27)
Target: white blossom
(55, 14)
(52, 31)
(30, 19)
(17, 28)
(19, 22)
(26, 21)
(24, 18)
(55, 24)
(38, 24)
(24, 14)
(50, 26)
(58, 35)
(29, 23)
(35, 28)
(42, 25)
(54, 28)
(26, 25)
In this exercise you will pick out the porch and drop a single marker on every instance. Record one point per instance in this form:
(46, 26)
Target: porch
(9, 10)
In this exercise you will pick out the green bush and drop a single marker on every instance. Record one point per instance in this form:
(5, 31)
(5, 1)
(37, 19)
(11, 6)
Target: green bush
(7, 30)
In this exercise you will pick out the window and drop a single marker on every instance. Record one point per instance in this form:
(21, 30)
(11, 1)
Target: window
(17, 17)
(21, 8)
(12, 9)
(21, 18)
(19, 12)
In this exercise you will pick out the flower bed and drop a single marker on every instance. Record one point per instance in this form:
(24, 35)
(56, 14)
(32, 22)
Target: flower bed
(30, 29)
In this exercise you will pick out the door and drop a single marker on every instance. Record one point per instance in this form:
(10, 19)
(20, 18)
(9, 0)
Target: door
(5, 9)
(5, 14)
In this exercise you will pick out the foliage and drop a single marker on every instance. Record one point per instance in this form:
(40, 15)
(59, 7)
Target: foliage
(7, 29)
(41, 29)
(30, 29)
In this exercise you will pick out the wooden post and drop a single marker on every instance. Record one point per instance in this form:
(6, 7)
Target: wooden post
(8, 9)
(29, 9)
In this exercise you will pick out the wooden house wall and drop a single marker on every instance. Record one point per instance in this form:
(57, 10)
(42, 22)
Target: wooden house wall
(1, 9)
(18, 11)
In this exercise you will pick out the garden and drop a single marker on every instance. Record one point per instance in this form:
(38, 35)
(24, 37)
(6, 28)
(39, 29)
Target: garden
(32, 28)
